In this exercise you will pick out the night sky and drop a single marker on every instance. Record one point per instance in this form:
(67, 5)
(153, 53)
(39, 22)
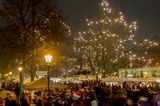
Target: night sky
(146, 12)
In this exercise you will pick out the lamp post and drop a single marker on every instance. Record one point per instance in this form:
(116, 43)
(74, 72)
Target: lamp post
(10, 74)
(48, 59)
(20, 74)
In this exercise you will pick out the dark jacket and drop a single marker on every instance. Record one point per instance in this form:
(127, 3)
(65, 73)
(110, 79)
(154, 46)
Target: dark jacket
(10, 103)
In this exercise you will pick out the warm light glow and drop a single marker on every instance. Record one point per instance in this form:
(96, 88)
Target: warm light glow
(100, 39)
(20, 69)
(10, 73)
(48, 58)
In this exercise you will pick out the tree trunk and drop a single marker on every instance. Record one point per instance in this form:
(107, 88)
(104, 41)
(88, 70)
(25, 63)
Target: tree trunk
(23, 66)
(33, 37)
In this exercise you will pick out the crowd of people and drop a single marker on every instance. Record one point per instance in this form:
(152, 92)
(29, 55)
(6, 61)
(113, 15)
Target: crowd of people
(98, 93)
(9, 87)
(94, 93)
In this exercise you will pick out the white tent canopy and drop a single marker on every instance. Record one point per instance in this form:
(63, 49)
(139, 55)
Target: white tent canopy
(41, 83)
(3, 94)
(111, 79)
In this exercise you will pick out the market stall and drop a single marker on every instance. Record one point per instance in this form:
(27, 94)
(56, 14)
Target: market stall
(41, 84)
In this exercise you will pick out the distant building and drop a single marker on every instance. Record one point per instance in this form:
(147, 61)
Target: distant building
(41, 74)
(149, 72)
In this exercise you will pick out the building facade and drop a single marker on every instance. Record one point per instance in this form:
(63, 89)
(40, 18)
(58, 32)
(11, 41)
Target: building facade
(150, 72)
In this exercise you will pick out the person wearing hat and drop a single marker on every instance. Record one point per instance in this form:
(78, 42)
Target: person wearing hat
(25, 99)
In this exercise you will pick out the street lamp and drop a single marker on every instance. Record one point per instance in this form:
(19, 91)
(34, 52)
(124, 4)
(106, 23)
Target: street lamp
(10, 74)
(20, 74)
(48, 59)
(20, 69)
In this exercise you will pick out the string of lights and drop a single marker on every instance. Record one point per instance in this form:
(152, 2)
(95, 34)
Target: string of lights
(106, 39)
